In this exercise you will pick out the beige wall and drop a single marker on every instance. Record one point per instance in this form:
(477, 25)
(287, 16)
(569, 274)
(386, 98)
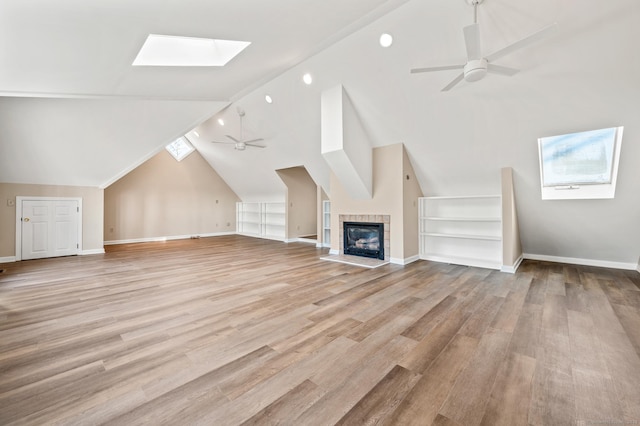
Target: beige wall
(411, 191)
(92, 212)
(166, 198)
(301, 202)
(320, 197)
(511, 246)
(386, 199)
(393, 195)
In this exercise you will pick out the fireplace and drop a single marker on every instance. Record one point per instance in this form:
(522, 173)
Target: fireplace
(364, 239)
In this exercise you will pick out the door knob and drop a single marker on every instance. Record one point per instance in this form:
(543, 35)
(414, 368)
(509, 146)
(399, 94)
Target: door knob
(26, 219)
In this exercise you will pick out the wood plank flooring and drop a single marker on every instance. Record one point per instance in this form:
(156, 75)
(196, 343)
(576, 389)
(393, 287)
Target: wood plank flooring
(234, 330)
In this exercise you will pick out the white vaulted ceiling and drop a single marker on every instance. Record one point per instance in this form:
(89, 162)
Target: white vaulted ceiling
(78, 47)
(73, 104)
(65, 71)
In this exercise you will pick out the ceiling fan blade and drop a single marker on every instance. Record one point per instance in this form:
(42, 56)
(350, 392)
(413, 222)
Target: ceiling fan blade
(233, 139)
(444, 68)
(227, 143)
(538, 35)
(455, 81)
(499, 69)
(253, 140)
(254, 146)
(472, 42)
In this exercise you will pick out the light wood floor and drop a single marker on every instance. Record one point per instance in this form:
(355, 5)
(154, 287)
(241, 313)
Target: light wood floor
(233, 330)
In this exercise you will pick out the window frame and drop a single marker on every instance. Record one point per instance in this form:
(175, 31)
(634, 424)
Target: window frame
(175, 152)
(580, 189)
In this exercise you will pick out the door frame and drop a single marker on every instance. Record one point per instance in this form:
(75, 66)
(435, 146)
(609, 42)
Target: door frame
(20, 199)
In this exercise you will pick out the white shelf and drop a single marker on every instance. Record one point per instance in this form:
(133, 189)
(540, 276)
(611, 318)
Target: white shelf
(464, 230)
(464, 219)
(463, 236)
(462, 197)
(326, 223)
(263, 220)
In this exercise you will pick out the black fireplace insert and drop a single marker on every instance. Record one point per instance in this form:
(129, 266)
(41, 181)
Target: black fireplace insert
(364, 239)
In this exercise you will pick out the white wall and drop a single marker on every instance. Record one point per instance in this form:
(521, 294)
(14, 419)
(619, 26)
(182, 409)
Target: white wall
(584, 77)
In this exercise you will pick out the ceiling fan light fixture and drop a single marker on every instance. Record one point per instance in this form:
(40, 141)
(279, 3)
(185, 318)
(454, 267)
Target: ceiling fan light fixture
(477, 65)
(475, 70)
(240, 144)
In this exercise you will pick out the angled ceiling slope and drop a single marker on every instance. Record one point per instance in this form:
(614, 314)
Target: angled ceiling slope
(87, 48)
(345, 145)
(87, 142)
(73, 109)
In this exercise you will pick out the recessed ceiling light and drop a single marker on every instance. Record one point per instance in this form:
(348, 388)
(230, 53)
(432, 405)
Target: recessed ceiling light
(268, 99)
(386, 40)
(196, 133)
(175, 51)
(307, 78)
(221, 121)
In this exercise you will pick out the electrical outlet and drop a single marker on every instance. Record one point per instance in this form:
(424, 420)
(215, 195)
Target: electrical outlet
(11, 202)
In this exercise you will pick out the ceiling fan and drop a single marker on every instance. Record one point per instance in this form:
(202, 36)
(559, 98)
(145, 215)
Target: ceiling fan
(241, 144)
(478, 66)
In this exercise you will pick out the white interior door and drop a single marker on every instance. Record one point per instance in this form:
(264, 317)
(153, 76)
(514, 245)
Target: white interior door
(49, 228)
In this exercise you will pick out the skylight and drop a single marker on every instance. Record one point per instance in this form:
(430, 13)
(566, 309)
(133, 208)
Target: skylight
(180, 148)
(580, 165)
(176, 51)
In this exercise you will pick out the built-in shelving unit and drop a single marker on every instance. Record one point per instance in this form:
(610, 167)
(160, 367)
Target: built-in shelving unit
(249, 218)
(274, 221)
(263, 220)
(326, 223)
(462, 230)
(478, 230)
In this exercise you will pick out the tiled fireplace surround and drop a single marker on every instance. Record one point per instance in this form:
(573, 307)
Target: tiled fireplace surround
(371, 218)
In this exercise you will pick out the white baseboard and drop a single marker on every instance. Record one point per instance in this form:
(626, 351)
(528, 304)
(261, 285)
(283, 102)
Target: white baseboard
(464, 261)
(301, 240)
(160, 239)
(513, 268)
(405, 261)
(333, 251)
(93, 251)
(578, 261)
(264, 237)
(11, 259)
(306, 240)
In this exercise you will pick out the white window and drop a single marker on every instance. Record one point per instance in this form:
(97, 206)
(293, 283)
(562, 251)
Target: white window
(580, 165)
(180, 148)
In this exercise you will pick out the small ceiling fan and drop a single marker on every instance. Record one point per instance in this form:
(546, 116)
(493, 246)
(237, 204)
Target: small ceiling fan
(478, 66)
(241, 144)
